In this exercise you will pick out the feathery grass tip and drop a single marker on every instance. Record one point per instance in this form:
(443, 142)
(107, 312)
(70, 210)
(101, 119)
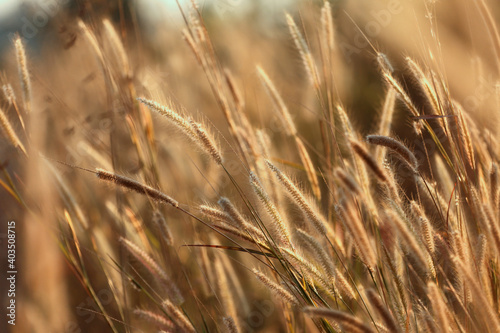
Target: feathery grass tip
(396, 147)
(136, 186)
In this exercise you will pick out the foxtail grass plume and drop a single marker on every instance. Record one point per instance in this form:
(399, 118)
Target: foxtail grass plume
(276, 289)
(465, 135)
(238, 99)
(410, 241)
(352, 241)
(206, 142)
(426, 86)
(194, 130)
(306, 55)
(230, 325)
(117, 46)
(384, 63)
(348, 181)
(228, 224)
(236, 218)
(161, 224)
(145, 259)
(8, 93)
(171, 115)
(369, 160)
(327, 28)
(24, 75)
(304, 204)
(354, 225)
(136, 186)
(215, 214)
(344, 319)
(278, 102)
(273, 211)
(157, 319)
(401, 94)
(394, 145)
(178, 317)
(385, 121)
(311, 272)
(9, 132)
(309, 166)
(387, 317)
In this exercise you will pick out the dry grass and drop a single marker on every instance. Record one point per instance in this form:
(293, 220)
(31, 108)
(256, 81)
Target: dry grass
(257, 167)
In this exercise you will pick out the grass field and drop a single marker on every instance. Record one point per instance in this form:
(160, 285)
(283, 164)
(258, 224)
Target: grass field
(321, 166)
